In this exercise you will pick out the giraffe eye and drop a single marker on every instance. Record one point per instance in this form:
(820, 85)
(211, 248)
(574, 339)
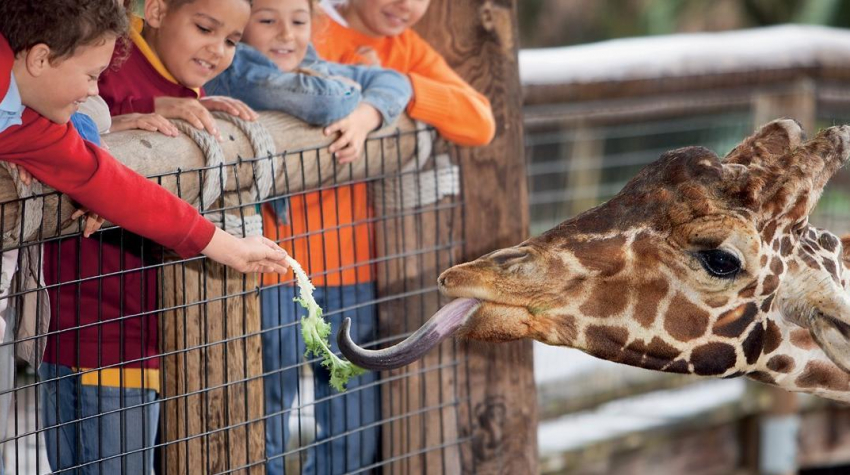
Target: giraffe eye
(719, 263)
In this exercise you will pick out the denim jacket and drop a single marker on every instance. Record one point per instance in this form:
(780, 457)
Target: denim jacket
(317, 100)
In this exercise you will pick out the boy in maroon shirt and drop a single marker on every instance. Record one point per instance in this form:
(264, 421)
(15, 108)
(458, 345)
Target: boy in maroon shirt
(51, 55)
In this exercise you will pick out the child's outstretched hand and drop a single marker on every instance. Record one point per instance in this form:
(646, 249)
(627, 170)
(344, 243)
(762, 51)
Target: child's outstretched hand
(353, 131)
(230, 105)
(190, 110)
(149, 122)
(251, 254)
(93, 221)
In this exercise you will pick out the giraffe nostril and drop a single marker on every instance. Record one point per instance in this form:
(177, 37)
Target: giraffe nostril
(508, 256)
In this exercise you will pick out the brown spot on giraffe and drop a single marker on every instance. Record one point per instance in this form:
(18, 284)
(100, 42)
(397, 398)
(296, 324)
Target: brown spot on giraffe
(606, 342)
(605, 256)
(786, 246)
(829, 266)
(820, 374)
(762, 377)
(772, 337)
(685, 321)
(802, 338)
(753, 344)
(650, 295)
(678, 366)
(749, 291)
(735, 321)
(769, 284)
(608, 298)
(828, 242)
(781, 364)
(768, 232)
(767, 303)
(713, 358)
(776, 266)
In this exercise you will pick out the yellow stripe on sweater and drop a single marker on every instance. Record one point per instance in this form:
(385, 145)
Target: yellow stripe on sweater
(137, 378)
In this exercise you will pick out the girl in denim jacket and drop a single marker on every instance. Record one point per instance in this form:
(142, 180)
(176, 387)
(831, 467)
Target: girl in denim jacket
(276, 68)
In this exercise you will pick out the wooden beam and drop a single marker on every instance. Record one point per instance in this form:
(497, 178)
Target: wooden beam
(479, 39)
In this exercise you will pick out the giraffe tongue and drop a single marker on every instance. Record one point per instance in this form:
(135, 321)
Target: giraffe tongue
(442, 324)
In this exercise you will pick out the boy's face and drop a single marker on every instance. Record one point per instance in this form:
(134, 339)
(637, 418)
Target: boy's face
(56, 89)
(389, 17)
(280, 29)
(196, 42)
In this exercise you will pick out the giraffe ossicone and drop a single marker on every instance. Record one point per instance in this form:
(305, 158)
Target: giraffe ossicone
(699, 265)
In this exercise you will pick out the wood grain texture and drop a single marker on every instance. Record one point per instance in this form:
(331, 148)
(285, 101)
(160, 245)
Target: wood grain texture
(213, 388)
(479, 39)
(303, 164)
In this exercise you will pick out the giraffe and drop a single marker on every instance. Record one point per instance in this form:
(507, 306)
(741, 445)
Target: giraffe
(699, 265)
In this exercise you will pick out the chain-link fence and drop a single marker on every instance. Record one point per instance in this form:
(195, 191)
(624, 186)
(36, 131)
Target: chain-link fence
(158, 364)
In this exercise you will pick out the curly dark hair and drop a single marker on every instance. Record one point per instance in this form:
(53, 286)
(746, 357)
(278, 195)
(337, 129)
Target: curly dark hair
(63, 25)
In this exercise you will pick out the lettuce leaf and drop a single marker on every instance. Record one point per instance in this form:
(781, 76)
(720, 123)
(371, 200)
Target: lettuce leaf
(315, 331)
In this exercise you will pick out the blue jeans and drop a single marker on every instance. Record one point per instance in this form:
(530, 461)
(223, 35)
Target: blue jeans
(131, 428)
(349, 412)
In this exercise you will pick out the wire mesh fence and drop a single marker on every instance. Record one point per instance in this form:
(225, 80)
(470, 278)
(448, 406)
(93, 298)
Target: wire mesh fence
(156, 364)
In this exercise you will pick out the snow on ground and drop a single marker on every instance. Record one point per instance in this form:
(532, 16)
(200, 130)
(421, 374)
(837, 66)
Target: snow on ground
(687, 54)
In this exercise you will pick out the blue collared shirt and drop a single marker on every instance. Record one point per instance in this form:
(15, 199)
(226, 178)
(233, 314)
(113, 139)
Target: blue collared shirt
(11, 108)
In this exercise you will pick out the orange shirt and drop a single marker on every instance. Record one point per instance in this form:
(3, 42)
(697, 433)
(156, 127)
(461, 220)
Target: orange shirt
(441, 98)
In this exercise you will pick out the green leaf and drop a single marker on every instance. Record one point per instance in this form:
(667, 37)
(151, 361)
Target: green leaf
(315, 331)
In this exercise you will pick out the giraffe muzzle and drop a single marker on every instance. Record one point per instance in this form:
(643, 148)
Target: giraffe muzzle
(440, 326)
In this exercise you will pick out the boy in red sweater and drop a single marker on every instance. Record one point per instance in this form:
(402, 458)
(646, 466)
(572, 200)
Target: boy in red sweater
(51, 55)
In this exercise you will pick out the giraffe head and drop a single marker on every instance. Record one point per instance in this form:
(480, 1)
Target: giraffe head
(699, 265)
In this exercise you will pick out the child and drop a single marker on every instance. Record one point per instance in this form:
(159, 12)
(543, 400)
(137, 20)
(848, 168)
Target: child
(121, 333)
(277, 69)
(181, 45)
(378, 32)
(51, 54)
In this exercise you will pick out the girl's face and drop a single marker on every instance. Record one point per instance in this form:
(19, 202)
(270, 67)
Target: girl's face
(385, 17)
(196, 41)
(280, 29)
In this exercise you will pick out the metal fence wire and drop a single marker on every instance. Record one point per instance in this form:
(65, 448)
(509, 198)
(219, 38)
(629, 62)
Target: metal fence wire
(155, 364)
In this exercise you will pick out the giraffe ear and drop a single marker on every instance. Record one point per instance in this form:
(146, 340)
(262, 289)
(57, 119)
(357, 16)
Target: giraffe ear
(831, 329)
(770, 141)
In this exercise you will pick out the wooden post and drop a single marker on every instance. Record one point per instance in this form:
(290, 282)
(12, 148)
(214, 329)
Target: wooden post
(479, 39)
(213, 414)
(778, 427)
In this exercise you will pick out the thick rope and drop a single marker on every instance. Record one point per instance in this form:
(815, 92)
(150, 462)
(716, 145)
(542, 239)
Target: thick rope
(233, 224)
(418, 186)
(263, 145)
(30, 210)
(215, 173)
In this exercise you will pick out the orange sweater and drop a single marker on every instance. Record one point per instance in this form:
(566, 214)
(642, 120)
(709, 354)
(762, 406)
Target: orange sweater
(440, 98)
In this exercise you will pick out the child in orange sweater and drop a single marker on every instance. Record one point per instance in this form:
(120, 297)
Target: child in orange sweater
(378, 33)
(335, 222)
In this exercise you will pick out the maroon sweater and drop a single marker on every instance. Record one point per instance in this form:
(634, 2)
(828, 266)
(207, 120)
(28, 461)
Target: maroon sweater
(57, 156)
(133, 86)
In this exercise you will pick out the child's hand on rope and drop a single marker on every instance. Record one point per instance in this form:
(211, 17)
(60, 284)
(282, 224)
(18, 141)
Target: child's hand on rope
(232, 106)
(150, 122)
(246, 255)
(353, 131)
(93, 221)
(190, 110)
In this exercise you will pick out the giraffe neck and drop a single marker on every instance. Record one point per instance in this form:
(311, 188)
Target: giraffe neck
(792, 360)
